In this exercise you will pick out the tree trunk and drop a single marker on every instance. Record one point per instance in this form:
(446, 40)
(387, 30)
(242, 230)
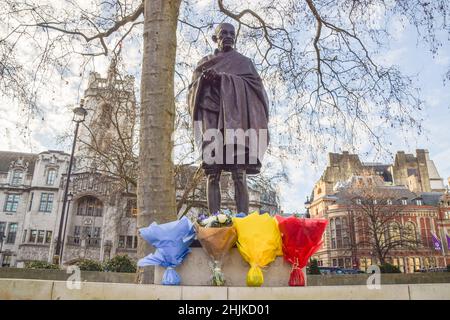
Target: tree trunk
(156, 187)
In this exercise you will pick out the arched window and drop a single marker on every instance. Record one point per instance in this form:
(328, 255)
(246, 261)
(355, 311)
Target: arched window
(90, 206)
(410, 234)
(17, 177)
(51, 176)
(394, 233)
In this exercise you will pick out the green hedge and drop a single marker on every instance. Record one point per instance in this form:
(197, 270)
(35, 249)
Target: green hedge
(89, 265)
(389, 268)
(313, 267)
(120, 263)
(40, 265)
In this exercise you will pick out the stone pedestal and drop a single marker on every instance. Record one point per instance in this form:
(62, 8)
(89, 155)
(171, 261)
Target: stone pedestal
(195, 271)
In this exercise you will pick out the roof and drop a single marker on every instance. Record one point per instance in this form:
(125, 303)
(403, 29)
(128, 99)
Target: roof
(396, 193)
(430, 198)
(6, 157)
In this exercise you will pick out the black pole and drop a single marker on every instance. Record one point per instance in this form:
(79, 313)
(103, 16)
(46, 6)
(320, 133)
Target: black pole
(64, 232)
(58, 250)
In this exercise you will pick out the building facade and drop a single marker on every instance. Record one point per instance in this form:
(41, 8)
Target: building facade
(29, 189)
(415, 185)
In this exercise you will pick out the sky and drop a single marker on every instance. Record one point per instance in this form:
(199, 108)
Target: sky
(413, 58)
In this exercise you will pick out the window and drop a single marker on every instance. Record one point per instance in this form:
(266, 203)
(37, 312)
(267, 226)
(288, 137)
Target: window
(33, 236)
(2, 229)
(6, 261)
(419, 202)
(51, 176)
(31, 201)
(11, 238)
(86, 231)
(131, 210)
(334, 262)
(46, 204)
(76, 231)
(404, 202)
(410, 265)
(129, 243)
(333, 233)
(401, 265)
(410, 234)
(433, 262)
(121, 242)
(394, 233)
(135, 242)
(40, 238)
(389, 202)
(97, 232)
(338, 234)
(48, 237)
(17, 177)
(90, 206)
(24, 237)
(362, 264)
(12, 201)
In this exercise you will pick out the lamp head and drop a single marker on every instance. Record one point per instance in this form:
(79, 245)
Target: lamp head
(79, 113)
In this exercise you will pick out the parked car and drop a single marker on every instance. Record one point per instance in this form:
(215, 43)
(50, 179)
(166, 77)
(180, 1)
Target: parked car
(352, 271)
(431, 270)
(331, 270)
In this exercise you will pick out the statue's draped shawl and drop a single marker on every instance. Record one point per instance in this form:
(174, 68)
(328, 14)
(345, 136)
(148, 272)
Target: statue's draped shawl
(239, 103)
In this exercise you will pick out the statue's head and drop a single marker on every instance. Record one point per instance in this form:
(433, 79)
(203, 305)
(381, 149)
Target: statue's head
(224, 36)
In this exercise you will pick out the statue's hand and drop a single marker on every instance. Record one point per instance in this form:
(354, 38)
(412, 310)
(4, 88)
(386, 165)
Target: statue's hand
(211, 76)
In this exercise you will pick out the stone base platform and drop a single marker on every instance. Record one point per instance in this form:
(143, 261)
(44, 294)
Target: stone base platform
(25, 289)
(195, 271)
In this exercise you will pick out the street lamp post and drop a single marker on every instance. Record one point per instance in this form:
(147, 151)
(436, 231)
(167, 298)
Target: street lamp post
(69, 199)
(79, 115)
(2, 236)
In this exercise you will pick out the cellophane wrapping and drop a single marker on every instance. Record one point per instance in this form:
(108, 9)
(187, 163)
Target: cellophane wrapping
(301, 239)
(259, 243)
(216, 242)
(172, 241)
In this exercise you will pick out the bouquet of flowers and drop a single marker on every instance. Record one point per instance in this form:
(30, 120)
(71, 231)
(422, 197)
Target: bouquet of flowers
(301, 239)
(217, 236)
(259, 243)
(172, 241)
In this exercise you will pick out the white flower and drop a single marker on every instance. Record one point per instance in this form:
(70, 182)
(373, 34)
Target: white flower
(222, 218)
(208, 221)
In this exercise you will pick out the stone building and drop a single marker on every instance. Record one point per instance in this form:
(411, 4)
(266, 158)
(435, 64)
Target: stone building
(418, 173)
(414, 184)
(29, 189)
